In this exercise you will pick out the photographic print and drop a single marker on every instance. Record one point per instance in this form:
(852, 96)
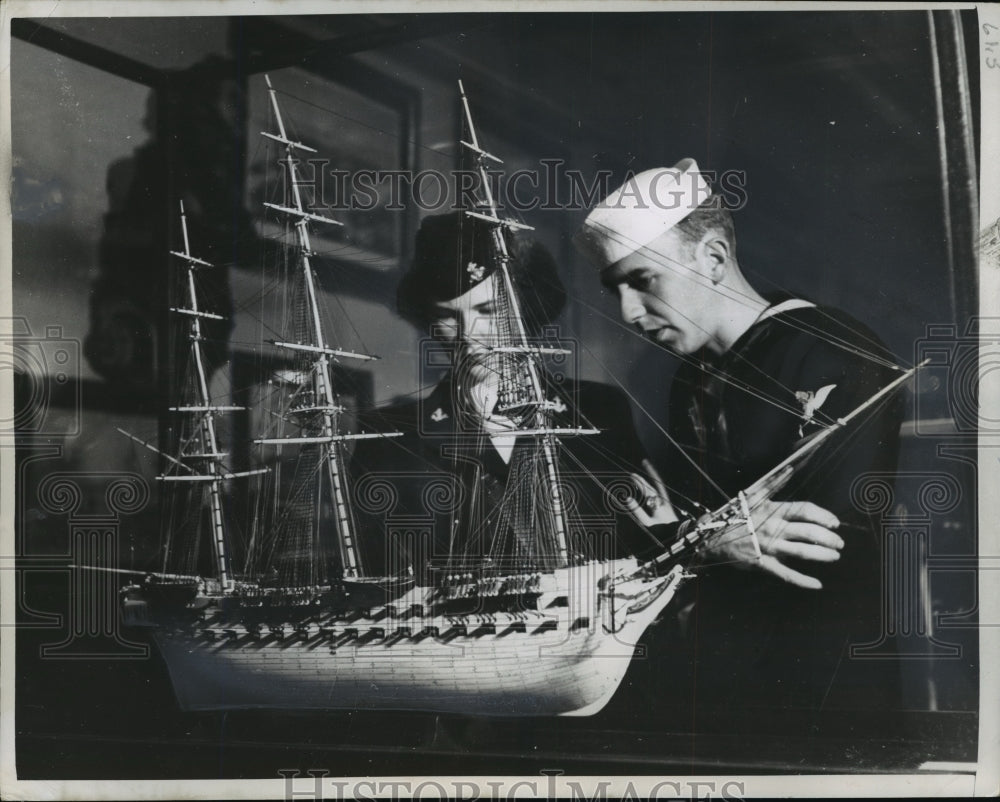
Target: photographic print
(498, 401)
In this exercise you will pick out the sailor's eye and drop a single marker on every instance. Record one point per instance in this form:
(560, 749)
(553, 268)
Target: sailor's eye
(640, 280)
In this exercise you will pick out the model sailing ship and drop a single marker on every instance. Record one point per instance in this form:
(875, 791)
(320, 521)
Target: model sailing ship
(299, 627)
(303, 625)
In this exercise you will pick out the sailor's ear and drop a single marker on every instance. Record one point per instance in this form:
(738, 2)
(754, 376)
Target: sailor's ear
(714, 252)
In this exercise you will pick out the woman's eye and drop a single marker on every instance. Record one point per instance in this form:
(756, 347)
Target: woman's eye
(444, 328)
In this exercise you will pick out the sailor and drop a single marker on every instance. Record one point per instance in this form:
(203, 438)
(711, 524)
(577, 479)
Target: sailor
(460, 458)
(778, 608)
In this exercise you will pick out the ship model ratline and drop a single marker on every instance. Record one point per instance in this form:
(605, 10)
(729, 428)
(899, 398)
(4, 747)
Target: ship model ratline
(302, 625)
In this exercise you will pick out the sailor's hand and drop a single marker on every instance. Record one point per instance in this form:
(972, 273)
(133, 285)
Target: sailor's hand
(781, 530)
(651, 505)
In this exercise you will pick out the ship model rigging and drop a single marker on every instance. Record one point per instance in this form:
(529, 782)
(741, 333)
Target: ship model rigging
(301, 623)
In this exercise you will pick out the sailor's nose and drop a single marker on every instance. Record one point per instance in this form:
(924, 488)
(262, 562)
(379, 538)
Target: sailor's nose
(630, 305)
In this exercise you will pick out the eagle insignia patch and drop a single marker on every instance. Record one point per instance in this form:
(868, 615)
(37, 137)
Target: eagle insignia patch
(812, 401)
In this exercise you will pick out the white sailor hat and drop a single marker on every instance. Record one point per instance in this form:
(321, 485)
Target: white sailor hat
(639, 211)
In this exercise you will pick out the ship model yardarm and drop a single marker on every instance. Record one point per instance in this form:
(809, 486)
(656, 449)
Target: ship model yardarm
(302, 624)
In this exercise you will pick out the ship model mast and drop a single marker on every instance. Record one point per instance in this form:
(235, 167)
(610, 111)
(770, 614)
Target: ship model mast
(518, 355)
(319, 415)
(203, 410)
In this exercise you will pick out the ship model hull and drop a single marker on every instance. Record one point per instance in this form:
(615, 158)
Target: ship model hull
(566, 658)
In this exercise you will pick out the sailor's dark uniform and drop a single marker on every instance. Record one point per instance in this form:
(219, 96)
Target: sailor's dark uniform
(753, 639)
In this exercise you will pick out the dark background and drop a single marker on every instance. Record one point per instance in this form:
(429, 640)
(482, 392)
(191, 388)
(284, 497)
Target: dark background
(851, 132)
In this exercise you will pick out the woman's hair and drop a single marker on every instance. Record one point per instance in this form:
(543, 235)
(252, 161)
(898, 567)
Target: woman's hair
(454, 252)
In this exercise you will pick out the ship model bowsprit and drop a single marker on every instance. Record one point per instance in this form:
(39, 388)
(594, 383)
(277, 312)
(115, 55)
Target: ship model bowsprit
(519, 621)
